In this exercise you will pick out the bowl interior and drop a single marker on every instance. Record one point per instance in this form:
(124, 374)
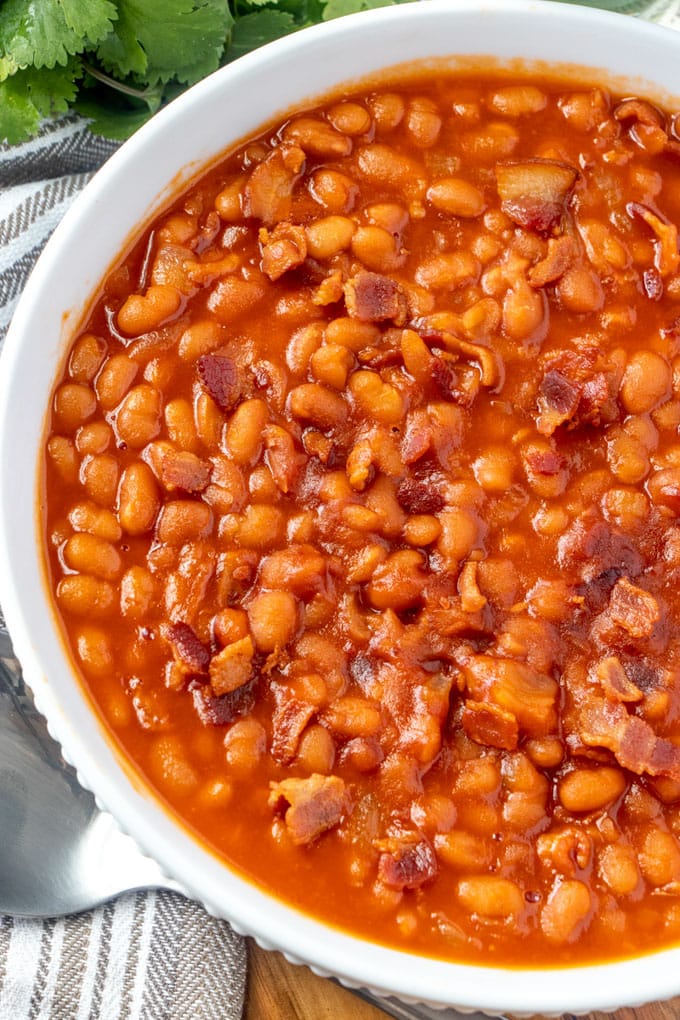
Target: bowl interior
(580, 44)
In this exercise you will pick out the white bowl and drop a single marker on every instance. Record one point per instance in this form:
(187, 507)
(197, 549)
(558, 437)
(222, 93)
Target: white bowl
(136, 183)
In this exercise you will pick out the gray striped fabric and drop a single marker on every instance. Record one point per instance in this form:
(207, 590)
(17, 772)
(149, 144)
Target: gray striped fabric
(148, 955)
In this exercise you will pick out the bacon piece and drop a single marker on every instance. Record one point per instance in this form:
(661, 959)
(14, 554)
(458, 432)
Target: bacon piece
(592, 548)
(490, 725)
(182, 470)
(288, 722)
(561, 254)
(373, 297)
(615, 683)
(283, 249)
(444, 378)
(219, 378)
(220, 711)
(418, 438)
(309, 806)
(189, 652)
(639, 110)
(652, 283)
(666, 255)
(631, 740)
(634, 609)
(534, 192)
(513, 687)
(268, 195)
(558, 400)
(232, 667)
(407, 860)
(419, 497)
(281, 457)
(573, 392)
(541, 461)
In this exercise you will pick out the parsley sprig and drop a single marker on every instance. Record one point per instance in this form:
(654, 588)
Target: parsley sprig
(118, 61)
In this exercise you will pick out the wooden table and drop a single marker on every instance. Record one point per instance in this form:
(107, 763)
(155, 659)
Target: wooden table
(279, 991)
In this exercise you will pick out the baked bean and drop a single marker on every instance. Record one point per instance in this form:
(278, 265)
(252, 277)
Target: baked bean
(353, 717)
(138, 499)
(423, 122)
(168, 761)
(567, 910)
(457, 197)
(494, 469)
(95, 520)
(331, 365)
(200, 338)
(99, 476)
(63, 456)
(317, 138)
(524, 311)
(182, 521)
(448, 271)
(141, 313)
(318, 405)
(316, 751)
(272, 616)
(244, 432)
(377, 249)
(619, 869)
(517, 100)
(388, 110)
(74, 404)
(580, 291)
(245, 742)
(349, 118)
(381, 164)
(114, 380)
(463, 851)
(94, 650)
(493, 142)
(422, 529)
(90, 554)
(659, 858)
(381, 400)
(229, 202)
(261, 527)
(335, 191)
(84, 595)
(646, 382)
(93, 438)
(398, 582)
(491, 897)
(86, 358)
(138, 419)
(586, 789)
(137, 591)
(351, 333)
(329, 235)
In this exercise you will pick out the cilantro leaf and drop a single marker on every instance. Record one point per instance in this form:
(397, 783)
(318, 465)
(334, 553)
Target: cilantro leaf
(157, 40)
(31, 94)
(112, 120)
(258, 28)
(44, 33)
(338, 8)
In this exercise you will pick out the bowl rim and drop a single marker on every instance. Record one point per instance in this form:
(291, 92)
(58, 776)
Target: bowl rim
(225, 892)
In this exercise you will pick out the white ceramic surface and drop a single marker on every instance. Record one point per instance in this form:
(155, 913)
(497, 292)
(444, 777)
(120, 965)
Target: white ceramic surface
(127, 191)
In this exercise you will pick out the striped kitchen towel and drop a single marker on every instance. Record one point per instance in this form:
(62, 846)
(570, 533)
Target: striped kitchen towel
(148, 955)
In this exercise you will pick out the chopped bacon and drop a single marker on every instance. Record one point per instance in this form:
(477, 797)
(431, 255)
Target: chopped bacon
(558, 400)
(282, 459)
(220, 711)
(220, 379)
(190, 654)
(418, 437)
(514, 687)
(407, 860)
(310, 806)
(572, 392)
(445, 378)
(490, 725)
(372, 297)
(561, 254)
(288, 722)
(631, 740)
(638, 110)
(591, 548)
(534, 192)
(283, 249)
(652, 283)
(614, 681)
(182, 470)
(419, 497)
(268, 195)
(539, 460)
(666, 257)
(634, 609)
(232, 667)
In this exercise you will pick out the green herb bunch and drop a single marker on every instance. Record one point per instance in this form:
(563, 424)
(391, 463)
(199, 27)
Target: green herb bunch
(118, 61)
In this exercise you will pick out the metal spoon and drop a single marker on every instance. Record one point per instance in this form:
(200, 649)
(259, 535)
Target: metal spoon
(58, 853)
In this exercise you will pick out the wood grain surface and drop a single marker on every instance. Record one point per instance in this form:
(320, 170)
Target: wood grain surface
(277, 990)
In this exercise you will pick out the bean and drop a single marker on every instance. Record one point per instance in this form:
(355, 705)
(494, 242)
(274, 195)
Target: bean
(646, 382)
(491, 897)
(93, 438)
(382, 165)
(316, 751)
(377, 249)
(99, 475)
(63, 456)
(456, 197)
(618, 868)
(183, 521)
(488, 144)
(379, 399)
(261, 526)
(95, 520)
(209, 421)
(566, 912)
(460, 529)
(86, 357)
(90, 554)
(586, 789)
(331, 365)
(319, 405)
(229, 201)
(659, 858)
(580, 290)
(353, 717)
(273, 619)
(141, 313)
(463, 851)
(517, 100)
(200, 338)
(494, 469)
(348, 332)
(84, 595)
(334, 190)
(169, 764)
(423, 122)
(398, 582)
(329, 236)
(74, 404)
(245, 743)
(115, 379)
(138, 499)
(138, 420)
(422, 530)
(349, 118)
(94, 651)
(137, 592)
(388, 110)
(524, 311)
(448, 271)
(245, 431)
